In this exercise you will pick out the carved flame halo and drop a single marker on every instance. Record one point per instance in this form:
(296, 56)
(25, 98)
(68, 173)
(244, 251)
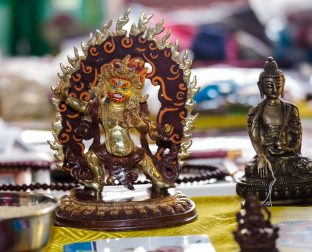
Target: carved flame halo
(106, 38)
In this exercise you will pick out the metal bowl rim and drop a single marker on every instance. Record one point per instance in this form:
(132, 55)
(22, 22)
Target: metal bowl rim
(39, 212)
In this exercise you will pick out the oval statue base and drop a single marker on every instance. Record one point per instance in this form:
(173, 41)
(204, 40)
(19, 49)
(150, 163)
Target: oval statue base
(121, 209)
(284, 192)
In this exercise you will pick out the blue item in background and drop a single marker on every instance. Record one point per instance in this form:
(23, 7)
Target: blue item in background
(216, 90)
(80, 247)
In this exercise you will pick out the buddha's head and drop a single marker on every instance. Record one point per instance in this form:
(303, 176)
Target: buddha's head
(271, 80)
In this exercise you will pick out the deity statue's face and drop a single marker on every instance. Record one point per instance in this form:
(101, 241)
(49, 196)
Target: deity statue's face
(273, 87)
(119, 89)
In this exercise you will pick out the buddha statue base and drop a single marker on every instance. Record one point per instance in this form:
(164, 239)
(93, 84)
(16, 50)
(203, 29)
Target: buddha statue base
(121, 209)
(285, 191)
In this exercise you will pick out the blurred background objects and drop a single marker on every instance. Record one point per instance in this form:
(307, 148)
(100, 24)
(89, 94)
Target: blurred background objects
(37, 35)
(228, 41)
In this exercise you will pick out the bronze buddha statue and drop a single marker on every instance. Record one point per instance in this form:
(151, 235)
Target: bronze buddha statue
(278, 171)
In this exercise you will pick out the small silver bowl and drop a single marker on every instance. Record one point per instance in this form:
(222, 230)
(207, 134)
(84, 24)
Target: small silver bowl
(25, 220)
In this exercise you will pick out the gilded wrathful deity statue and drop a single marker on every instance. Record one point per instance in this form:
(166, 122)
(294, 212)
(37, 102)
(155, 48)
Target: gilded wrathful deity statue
(117, 108)
(278, 170)
(101, 107)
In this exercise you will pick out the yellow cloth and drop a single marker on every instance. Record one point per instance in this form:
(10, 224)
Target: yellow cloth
(216, 218)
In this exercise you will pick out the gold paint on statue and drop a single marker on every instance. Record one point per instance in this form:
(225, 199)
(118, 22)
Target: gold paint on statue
(119, 93)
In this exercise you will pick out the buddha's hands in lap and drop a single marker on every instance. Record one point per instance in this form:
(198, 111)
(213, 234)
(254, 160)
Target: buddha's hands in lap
(280, 150)
(263, 166)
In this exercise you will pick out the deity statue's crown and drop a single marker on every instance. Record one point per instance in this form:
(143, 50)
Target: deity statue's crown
(271, 69)
(131, 69)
